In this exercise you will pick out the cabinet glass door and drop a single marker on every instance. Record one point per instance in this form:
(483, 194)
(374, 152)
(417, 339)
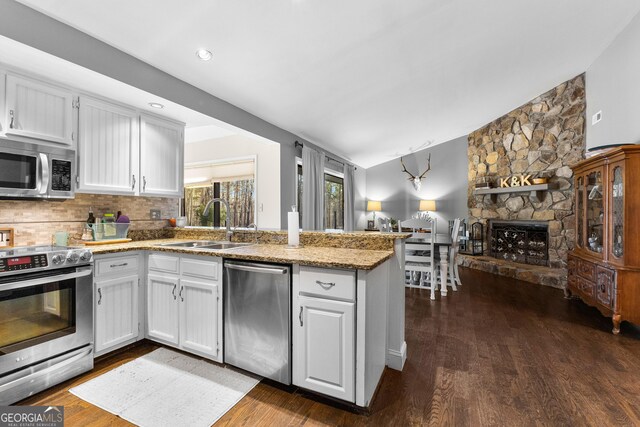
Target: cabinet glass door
(595, 211)
(617, 212)
(580, 212)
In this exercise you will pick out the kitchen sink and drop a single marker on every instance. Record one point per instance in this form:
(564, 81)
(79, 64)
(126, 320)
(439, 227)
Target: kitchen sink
(226, 245)
(206, 244)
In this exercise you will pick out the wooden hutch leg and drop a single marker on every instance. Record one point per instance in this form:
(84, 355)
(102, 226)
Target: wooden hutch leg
(567, 293)
(616, 323)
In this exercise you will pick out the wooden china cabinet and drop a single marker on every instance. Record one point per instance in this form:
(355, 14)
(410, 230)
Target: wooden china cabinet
(604, 266)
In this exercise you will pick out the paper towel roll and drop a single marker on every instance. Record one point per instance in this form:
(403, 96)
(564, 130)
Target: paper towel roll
(293, 229)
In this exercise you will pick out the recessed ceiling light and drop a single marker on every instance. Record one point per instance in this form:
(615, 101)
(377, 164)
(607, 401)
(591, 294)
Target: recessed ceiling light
(156, 105)
(204, 54)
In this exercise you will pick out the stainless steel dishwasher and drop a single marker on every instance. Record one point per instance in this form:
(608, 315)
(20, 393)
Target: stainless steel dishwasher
(257, 306)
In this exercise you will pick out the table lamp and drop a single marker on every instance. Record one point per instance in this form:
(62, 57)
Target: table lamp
(374, 206)
(429, 206)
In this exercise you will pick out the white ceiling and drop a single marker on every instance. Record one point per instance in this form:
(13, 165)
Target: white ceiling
(370, 78)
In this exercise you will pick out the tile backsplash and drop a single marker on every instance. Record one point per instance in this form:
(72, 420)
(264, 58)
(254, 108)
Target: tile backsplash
(34, 221)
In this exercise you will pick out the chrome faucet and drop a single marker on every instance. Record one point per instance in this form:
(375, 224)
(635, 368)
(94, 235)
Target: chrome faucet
(207, 208)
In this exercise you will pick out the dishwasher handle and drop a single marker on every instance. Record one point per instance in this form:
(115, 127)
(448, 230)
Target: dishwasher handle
(257, 268)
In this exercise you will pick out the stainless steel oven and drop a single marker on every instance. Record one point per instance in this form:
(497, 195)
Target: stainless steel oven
(36, 170)
(46, 318)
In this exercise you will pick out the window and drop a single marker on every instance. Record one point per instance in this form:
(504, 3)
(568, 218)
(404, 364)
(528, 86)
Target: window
(231, 181)
(333, 198)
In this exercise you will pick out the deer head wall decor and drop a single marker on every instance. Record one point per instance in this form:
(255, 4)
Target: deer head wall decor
(416, 180)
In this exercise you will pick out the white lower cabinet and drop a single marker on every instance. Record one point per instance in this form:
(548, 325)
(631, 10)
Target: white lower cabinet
(324, 332)
(162, 307)
(199, 317)
(184, 305)
(116, 303)
(325, 357)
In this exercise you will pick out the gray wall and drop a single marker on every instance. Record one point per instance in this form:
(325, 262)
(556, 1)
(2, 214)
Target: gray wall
(613, 86)
(446, 183)
(27, 26)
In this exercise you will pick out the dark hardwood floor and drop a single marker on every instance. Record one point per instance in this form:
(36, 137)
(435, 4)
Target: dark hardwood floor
(497, 352)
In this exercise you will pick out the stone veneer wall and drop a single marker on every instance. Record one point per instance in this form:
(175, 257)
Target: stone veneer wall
(541, 138)
(34, 221)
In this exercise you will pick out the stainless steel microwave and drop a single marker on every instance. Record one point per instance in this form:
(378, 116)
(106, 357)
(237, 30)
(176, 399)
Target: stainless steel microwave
(36, 171)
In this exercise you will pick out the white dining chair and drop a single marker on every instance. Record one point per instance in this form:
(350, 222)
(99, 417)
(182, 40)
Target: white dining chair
(451, 280)
(453, 252)
(420, 254)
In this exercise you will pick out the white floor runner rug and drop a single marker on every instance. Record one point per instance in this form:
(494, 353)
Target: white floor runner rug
(166, 388)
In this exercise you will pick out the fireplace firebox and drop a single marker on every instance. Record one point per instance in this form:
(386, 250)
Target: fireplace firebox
(526, 242)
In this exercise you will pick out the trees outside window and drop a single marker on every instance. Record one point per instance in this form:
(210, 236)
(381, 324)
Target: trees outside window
(239, 194)
(333, 199)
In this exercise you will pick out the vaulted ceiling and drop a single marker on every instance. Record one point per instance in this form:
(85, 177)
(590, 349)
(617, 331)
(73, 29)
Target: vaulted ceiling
(369, 79)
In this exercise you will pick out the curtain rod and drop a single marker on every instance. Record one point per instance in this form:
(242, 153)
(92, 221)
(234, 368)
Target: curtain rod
(299, 144)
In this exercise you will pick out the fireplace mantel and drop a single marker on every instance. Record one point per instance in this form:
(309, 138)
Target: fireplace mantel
(536, 190)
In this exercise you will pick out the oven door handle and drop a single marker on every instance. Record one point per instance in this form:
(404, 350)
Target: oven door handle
(74, 357)
(44, 280)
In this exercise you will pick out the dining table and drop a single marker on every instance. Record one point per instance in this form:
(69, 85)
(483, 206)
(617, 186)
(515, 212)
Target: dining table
(442, 243)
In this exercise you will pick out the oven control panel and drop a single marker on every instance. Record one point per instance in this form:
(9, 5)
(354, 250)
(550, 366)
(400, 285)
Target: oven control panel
(23, 262)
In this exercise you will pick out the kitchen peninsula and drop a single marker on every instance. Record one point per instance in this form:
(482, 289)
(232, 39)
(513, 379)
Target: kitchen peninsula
(347, 300)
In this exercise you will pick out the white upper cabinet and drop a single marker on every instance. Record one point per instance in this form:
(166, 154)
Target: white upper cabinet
(108, 147)
(38, 110)
(161, 152)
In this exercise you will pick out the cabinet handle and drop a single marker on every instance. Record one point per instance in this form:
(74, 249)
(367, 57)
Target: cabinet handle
(133, 185)
(173, 292)
(124, 264)
(300, 315)
(180, 294)
(326, 285)
(11, 115)
(144, 183)
(99, 296)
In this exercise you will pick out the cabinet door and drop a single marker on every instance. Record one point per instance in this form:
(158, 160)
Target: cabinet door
(161, 157)
(324, 347)
(37, 110)
(616, 212)
(580, 211)
(116, 311)
(605, 287)
(594, 205)
(200, 317)
(162, 307)
(108, 146)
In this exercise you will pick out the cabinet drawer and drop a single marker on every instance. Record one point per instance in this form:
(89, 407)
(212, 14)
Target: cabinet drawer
(586, 287)
(324, 282)
(206, 269)
(126, 264)
(165, 263)
(587, 270)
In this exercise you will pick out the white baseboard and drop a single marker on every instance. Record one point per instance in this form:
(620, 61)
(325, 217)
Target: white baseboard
(395, 358)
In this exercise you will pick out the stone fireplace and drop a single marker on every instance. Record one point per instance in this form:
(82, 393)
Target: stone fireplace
(526, 242)
(542, 139)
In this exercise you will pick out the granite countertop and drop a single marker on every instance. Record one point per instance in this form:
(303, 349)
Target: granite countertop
(307, 255)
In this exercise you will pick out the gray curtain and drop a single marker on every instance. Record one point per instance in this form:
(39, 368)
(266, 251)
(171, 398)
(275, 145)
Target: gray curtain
(349, 198)
(312, 189)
